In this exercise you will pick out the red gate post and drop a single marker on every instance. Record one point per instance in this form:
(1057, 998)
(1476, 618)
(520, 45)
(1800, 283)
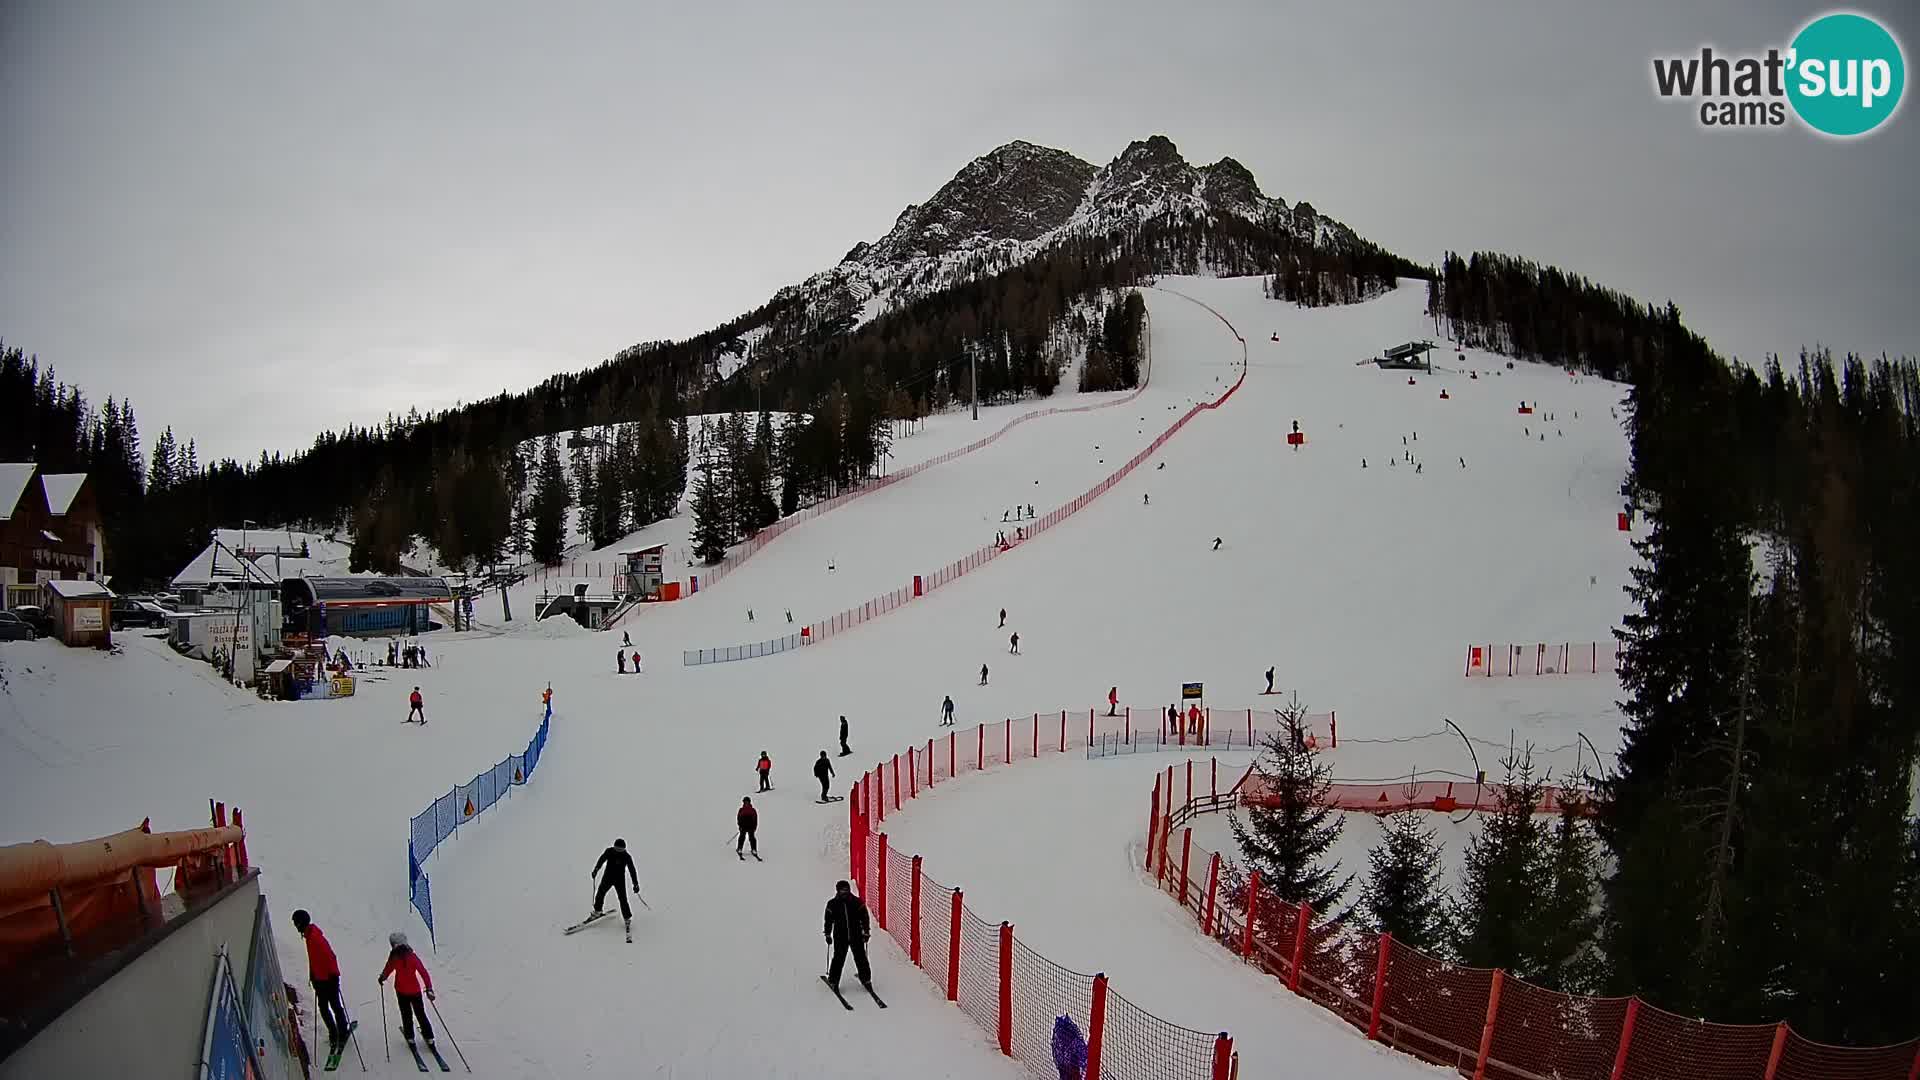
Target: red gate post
(883, 881)
(880, 793)
(1063, 729)
(1153, 822)
(1222, 1056)
(896, 781)
(1299, 946)
(1779, 1046)
(933, 773)
(1213, 890)
(1008, 733)
(1006, 989)
(1253, 910)
(1626, 1041)
(1097, 1026)
(980, 748)
(1493, 1013)
(953, 950)
(953, 760)
(1189, 781)
(913, 930)
(913, 776)
(1186, 853)
(1379, 987)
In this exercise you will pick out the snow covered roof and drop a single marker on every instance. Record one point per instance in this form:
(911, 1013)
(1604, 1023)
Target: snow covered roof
(14, 478)
(219, 563)
(77, 590)
(283, 540)
(60, 489)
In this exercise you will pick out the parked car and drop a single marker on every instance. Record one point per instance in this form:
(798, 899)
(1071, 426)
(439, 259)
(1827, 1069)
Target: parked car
(35, 617)
(15, 628)
(128, 611)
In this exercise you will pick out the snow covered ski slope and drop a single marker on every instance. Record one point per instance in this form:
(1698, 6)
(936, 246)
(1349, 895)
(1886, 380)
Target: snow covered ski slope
(1363, 587)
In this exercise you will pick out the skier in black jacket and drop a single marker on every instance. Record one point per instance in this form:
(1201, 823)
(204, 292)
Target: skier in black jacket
(616, 859)
(846, 928)
(823, 771)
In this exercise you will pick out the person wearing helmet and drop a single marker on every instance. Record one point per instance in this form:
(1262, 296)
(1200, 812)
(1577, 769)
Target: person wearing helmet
(323, 969)
(749, 821)
(847, 928)
(615, 859)
(765, 768)
(410, 981)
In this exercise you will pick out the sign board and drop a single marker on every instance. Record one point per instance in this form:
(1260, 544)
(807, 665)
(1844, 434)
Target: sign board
(1190, 691)
(91, 617)
(342, 686)
(266, 998)
(226, 1053)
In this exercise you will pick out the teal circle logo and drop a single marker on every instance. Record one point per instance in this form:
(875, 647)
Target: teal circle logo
(1846, 74)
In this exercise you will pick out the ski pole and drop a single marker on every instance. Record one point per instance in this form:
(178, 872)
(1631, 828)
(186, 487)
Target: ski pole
(449, 1031)
(356, 1050)
(642, 899)
(383, 1024)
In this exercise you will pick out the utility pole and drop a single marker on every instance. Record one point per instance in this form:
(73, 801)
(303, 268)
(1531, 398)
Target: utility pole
(973, 376)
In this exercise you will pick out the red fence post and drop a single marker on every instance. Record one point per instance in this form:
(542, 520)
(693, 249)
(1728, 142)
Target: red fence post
(953, 950)
(1153, 822)
(1253, 909)
(1333, 728)
(1186, 853)
(953, 760)
(1626, 1041)
(1007, 732)
(1063, 729)
(932, 773)
(1213, 890)
(980, 750)
(1006, 989)
(1222, 1057)
(913, 928)
(1914, 1073)
(1486, 1032)
(1128, 726)
(1379, 987)
(1299, 945)
(896, 781)
(1189, 781)
(913, 776)
(1036, 735)
(1779, 1047)
(1097, 1026)
(883, 881)
(880, 793)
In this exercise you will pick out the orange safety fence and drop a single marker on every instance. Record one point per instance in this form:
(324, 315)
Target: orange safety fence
(1481, 1022)
(1543, 658)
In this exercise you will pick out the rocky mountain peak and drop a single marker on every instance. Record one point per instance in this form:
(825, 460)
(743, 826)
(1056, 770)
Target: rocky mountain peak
(1016, 192)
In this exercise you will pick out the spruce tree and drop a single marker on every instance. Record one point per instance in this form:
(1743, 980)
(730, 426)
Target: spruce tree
(1569, 918)
(551, 499)
(1504, 877)
(1403, 894)
(710, 536)
(1288, 831)
(586, 485)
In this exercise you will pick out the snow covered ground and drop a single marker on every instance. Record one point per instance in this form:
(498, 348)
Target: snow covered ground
(1363, 586)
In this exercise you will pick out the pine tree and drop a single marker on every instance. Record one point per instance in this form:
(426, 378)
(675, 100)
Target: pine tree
(551, 500)
(1504, 877)
(1288, 832)
(710, 536)
(586, 484)
(1403, 894)
(1569, 919)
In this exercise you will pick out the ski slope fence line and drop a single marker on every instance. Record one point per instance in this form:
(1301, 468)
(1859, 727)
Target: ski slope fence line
(1013, 994)
(923, 584)
(1543, 658)
(461, 805)
(1484, 1023)
(709, 575)
(1115, 732)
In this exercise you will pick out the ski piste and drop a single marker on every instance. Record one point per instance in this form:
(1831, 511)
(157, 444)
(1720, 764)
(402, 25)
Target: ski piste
(586, 922)
(417, 1059)
(848, 1005)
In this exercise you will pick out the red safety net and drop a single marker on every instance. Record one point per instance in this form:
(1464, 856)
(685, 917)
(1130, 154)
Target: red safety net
(1043, 990)
(980, 971)
(900, 899)
(1141, 1046)
(936, 929)
(1666, 1044)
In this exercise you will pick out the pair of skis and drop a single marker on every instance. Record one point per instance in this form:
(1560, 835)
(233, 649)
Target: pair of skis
(339, 1048)
(843, 998)
(755, 854)
(432, 1049)
(594, 918)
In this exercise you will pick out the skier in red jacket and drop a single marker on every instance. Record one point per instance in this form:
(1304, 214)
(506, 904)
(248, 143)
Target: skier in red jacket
(417, 707)
(323, 968)
(410, 979)
(749, 820)
(1113, 700)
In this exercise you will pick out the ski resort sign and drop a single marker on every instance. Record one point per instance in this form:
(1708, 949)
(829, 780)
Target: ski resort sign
(1843, 75)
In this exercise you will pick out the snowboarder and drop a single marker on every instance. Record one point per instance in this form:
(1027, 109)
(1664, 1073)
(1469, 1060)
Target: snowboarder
(1216, 543)
(410, 979)
(823, 772)
(946, 707)
(765, 768)
(1003, 618)
(323, 969)
(983, 678)
(845, 750)
(615, 859)
(1013, 642)
(846, 928)
(621, 658)
(1270, 679)
(1113, 700)
(417, 707)
(749, 820)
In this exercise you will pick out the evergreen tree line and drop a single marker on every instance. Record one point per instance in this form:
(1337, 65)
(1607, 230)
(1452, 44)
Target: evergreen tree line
(1115, 354)
(1521, 309)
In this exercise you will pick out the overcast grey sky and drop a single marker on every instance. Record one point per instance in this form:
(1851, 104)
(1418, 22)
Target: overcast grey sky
(261, 220)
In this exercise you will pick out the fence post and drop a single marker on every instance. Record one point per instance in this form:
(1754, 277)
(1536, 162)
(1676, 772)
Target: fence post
(1299, 941)
(1063, 729)
(896, 781)
(1779, 1047)
(953, 950)
(1253, 907)
(1222, 1056)
(1333, 728)
(1213, 784)
(1186, 852)
(1189, 781)
(1007, 734)
(856, 839)
(1914, 1073)
(1006, 989)
(932, 772)
(953, 760)
(1213, 890)
(880, 802)
(913, 928)
(913, 776)
(1380, 987)
(1097, 1026)
(883, 881)
(1493, 1013)
(980, 750)
(1128, 725)
(1626, 1041)
(1153, 822)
